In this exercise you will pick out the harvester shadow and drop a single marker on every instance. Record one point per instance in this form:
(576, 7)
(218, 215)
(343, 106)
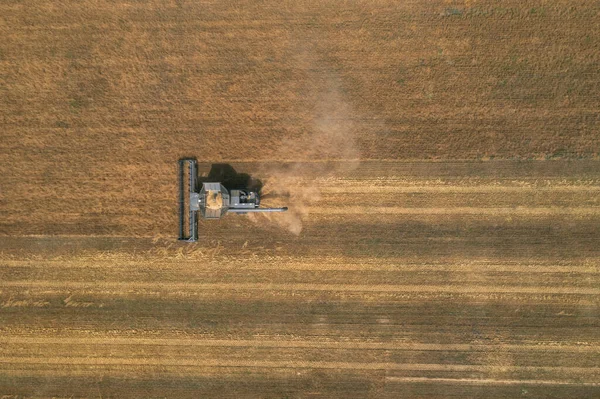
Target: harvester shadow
(225, 174)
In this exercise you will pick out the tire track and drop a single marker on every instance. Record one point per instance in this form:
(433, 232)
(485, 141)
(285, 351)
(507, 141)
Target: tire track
(238, 343)
(74, 361)
(488, 381)
(397, 210)
(226, 263)
(133, 286)
(415, 186)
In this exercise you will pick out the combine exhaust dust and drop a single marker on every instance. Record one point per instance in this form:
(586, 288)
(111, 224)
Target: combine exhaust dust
(332, 138)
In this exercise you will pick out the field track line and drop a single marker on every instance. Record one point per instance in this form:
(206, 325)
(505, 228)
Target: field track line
(219, 372)
(163, 361)
(487, 381)
(378, 188)
(18, 340)
(129, 286)
(394, 210)
(320, 264)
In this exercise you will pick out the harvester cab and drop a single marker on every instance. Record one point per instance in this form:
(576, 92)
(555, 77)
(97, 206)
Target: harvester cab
(212, 200)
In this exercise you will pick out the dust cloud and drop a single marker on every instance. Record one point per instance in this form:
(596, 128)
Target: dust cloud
(331, 136)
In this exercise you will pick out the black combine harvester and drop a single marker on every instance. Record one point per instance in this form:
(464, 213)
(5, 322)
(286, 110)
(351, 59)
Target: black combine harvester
(212, 199)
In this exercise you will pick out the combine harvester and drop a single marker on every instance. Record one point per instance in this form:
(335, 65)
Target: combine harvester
(212, 201)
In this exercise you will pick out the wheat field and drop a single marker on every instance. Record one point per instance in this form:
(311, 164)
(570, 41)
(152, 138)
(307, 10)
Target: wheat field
(440, 163)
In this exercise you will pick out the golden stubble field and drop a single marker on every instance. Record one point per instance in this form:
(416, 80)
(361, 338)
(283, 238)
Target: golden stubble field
(440, 161)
